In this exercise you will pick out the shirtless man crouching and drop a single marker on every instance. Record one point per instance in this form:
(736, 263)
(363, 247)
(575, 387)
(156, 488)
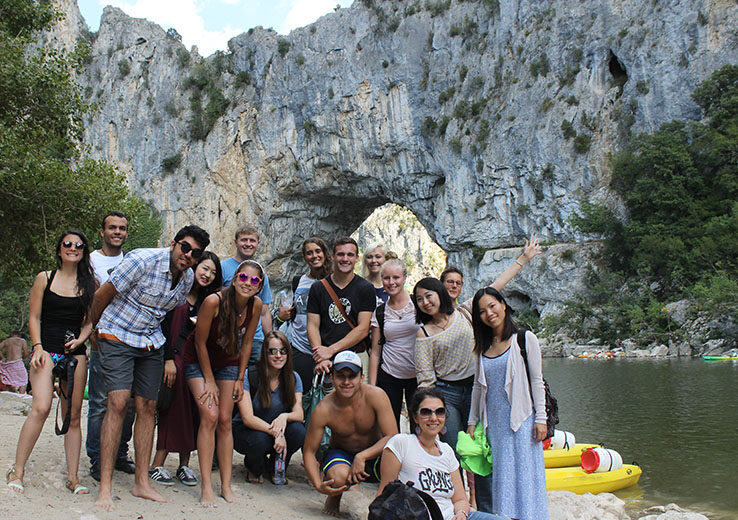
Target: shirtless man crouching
(361, 421)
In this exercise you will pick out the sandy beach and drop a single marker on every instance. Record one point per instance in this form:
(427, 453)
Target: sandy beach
(46, 497)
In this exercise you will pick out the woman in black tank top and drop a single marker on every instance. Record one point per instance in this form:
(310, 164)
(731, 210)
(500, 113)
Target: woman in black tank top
(59, 325)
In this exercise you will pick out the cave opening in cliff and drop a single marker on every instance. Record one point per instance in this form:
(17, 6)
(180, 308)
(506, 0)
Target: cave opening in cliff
(617, 70)
(397, 229)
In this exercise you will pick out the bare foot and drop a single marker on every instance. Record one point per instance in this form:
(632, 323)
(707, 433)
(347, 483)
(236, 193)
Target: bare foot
(147, 492)
(207, 499)
(228, 496)
(332, 504)
(104, 501)
(253, 478)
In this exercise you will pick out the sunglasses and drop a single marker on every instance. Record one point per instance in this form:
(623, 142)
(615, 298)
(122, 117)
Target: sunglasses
(425, 413)
(77, 245)
(187, 248)
(243, 277)
(273, 351)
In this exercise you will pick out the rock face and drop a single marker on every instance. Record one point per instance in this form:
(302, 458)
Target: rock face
(565, 505)
(452, 109)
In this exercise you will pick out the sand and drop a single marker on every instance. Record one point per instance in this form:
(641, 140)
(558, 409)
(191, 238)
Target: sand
(46, 496)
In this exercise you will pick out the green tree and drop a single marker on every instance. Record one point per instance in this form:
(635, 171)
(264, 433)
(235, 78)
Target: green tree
(46, 181)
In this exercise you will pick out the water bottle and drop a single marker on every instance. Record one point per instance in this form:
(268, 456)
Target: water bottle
(279, 470)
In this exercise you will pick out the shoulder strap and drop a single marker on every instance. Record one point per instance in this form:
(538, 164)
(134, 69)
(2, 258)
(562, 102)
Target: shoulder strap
(50, 278)
(338, 303)
(422, 327)
(430, 503)
(380, 320)
(465, 313)
(295, 282)
(524, 353)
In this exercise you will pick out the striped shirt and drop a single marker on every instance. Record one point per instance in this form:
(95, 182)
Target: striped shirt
(448, 355)
(143, 281)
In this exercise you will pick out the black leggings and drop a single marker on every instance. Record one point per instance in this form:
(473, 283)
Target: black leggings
(394, 388)
(304, 365)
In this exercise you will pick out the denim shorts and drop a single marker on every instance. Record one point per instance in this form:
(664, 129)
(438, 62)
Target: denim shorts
(192, 371)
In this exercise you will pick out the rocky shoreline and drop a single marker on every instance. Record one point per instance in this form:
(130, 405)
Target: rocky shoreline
(561, 346)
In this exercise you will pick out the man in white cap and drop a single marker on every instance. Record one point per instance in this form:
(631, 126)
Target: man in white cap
(361, 421)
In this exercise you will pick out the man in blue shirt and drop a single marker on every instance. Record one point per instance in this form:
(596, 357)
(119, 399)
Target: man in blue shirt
(247, 242)
(127, 312)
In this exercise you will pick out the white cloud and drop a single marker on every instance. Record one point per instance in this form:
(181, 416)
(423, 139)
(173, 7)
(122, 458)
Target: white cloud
(304, 12)
(185, 16)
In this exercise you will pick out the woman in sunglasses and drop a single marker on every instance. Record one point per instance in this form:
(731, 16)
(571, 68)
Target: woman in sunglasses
(509, 402)
(270, 415)
(177, 424)
(215, 358)
(317, 256)
(427, 462)
(59, 325)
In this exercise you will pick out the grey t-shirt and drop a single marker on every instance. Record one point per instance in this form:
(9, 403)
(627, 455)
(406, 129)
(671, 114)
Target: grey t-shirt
(298, 335)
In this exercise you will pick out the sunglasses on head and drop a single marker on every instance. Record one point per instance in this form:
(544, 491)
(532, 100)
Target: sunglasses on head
(425, 413)
(254, 280)
(187, 248)
(273, 351)
(69, 243)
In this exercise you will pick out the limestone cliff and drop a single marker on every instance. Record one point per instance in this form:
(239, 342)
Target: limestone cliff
(458, 110)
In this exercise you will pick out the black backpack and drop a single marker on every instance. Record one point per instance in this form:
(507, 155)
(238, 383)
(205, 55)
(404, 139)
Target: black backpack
(552, 405)
(400, 501)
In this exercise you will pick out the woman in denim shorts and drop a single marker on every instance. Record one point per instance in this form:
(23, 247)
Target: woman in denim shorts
(215, 362)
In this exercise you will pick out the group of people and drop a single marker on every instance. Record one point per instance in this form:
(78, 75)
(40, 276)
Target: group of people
(179, 338)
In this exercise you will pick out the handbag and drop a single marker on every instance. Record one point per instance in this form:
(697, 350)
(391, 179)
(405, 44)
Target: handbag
(310, 401)
(361, 346)
(552, 405)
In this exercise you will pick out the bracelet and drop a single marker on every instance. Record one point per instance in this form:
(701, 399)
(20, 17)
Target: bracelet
(466, 515)
(36, 345)
(516, 261)
(280, 320)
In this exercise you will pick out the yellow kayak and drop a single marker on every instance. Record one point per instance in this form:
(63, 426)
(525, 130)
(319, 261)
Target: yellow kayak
(565, 457)
(575, 479)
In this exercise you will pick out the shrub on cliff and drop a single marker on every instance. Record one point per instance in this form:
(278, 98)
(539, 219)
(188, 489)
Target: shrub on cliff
(680, 235)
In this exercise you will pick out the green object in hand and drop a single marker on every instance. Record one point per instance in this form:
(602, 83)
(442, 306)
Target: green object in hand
(476, 454)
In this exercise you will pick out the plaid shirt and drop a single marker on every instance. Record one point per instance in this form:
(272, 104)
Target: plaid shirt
(143, 282)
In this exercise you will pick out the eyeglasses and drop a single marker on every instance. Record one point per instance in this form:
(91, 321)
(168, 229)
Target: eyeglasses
(273, 351)
(187, 248)
(425, 413)
(243, 277)
(77, 245)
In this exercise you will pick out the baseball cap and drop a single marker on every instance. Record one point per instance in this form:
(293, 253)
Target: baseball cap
(347, 359)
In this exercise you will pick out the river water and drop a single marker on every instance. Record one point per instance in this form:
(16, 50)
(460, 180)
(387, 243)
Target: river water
(678, 419)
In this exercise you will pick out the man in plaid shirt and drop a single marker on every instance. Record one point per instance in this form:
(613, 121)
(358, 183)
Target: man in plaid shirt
(127, 312)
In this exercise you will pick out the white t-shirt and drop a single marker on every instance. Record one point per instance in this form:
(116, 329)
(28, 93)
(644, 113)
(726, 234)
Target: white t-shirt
(103, 265)
(398, 353)
(429, 473)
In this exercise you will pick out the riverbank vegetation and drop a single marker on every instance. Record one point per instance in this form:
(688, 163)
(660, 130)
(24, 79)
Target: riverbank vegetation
(678, 237)
(47, 181)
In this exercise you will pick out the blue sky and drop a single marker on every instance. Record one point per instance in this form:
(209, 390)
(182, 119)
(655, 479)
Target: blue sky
(209, 24)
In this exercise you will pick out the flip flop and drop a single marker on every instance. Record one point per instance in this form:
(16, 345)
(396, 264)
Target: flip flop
(77, 489)
(15, 483)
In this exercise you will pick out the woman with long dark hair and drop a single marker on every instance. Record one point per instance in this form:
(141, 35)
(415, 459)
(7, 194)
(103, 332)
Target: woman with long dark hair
(216, 355)
(511, 409)
(428, 463)
(177, 424)
(59, 325)
(270, 415)
(317, 256)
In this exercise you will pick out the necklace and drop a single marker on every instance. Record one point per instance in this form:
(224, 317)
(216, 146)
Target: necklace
(446, 323)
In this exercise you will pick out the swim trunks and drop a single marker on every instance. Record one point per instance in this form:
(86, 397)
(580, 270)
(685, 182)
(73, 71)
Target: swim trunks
(335, 456)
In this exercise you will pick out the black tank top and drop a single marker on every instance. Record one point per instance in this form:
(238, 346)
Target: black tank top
(60, 314)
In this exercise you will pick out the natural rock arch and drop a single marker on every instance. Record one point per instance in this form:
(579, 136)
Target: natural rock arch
(453, 114)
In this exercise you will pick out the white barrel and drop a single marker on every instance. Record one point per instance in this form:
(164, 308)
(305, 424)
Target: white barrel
(562, 440)
(601, 460)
